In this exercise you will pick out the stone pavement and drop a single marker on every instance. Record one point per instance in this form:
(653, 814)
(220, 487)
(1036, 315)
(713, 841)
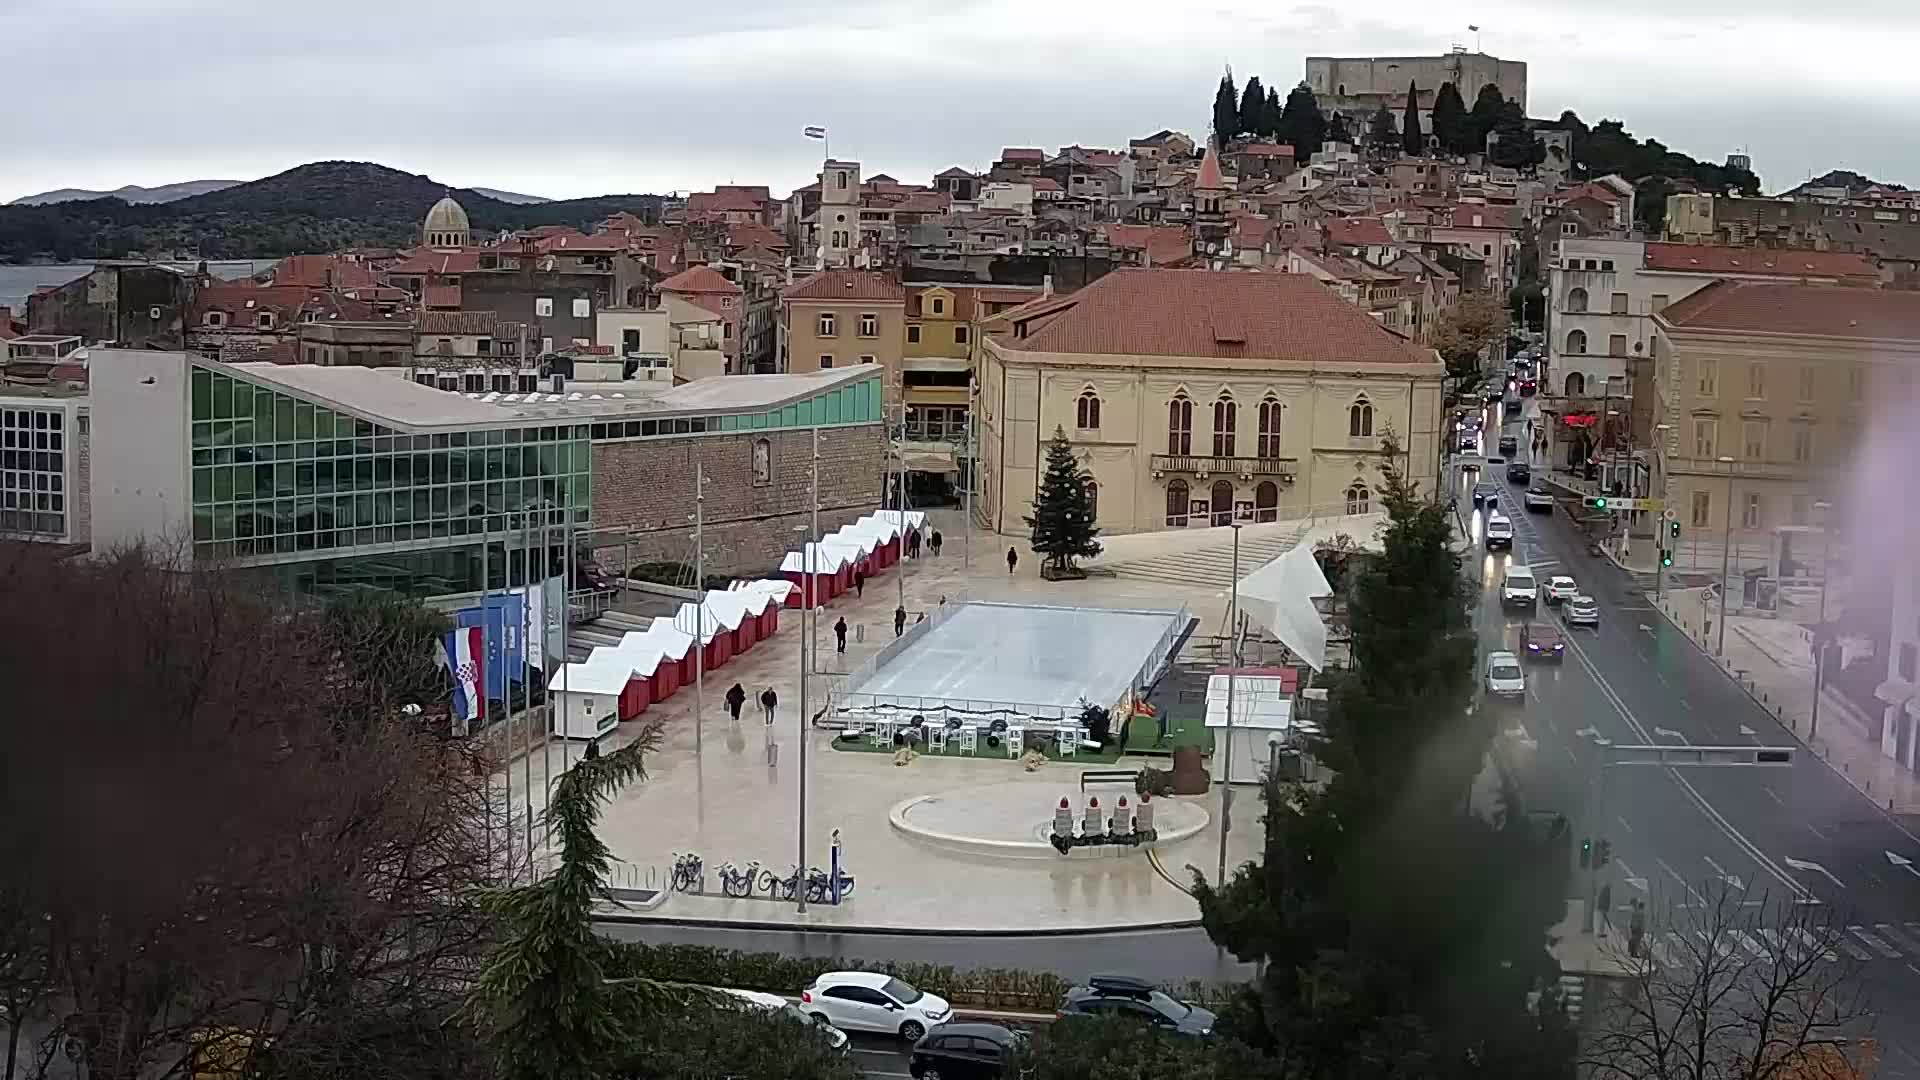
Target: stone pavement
(710, 788)
(1772, 660)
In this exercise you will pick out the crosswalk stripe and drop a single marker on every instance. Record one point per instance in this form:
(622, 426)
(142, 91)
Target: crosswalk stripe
(1720, 946)
(1875, 943)
(1816, 945)
(1748, 943)
(1898, 937)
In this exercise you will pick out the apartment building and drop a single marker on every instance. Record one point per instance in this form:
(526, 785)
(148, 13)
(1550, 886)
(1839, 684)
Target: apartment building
(841, 318)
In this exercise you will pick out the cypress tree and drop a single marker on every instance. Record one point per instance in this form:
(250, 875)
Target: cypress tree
(1449, 119)
(1253, 107)
(1412, 139)
(1226, 110)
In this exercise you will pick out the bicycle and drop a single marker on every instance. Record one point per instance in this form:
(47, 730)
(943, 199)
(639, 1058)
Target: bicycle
(786, 888)
(820, 886)
(688, 873)
(736, 882)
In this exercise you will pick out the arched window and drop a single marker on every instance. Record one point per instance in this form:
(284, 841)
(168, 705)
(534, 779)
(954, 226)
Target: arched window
(1576, 342)
(1226, 417)
(1357, 500)
(1086, 411)
(1180, 426)
(1269, 444)
(1576, 299)
(762, 462)
(1576, 384)
(1266, 501)
(1178, 503)
(1360, 419)
(1093, 499)
(1222, 503)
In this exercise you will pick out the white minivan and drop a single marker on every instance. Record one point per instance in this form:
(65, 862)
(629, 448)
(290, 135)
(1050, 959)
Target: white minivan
(1518, 589)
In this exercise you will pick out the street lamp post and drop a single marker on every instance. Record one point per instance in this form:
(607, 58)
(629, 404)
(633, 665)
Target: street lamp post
(1726, 558)
(1819, 646)
(1233, 665)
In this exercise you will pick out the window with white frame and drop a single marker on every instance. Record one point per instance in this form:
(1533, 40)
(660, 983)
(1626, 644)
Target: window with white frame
(543, 306)
(869, 324)
(824, 325)
(582, 308)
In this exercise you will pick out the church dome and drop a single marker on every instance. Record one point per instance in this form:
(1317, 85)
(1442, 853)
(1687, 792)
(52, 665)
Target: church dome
(446, 224)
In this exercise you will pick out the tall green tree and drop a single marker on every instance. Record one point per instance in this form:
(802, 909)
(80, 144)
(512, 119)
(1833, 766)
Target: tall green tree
(1226, 110)
(1302, 125)
(1253, 108)
(1450, 119)
(1486, 111)
(1337, 129)
(1515, 146)
(1399, 912)
(1270, 116)
(1062, 519)
(1412, 139)
(1382, 133)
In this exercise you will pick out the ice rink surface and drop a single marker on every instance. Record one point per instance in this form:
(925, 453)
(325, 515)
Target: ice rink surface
(1049, 656)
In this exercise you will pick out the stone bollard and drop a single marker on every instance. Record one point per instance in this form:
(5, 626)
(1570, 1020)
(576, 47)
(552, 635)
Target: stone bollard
(1143, 819)
(1063, 819)
(1092, 827)
(1122, 819)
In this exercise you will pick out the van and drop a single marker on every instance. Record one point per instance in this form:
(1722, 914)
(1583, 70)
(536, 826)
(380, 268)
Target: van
(1518, 589)
(1499, 532)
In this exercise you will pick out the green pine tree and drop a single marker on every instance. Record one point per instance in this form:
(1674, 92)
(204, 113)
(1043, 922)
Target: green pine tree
(1401, 924)
(1062, 519)
(1253, 107)
(1412, 139)
(1486, 111)
(1516, 148)
(1226, 110)
(1302, 125)
(1449, 119)
(1382, 133)
(1270, 116)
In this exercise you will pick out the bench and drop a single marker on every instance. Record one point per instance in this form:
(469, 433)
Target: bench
(1107, 776)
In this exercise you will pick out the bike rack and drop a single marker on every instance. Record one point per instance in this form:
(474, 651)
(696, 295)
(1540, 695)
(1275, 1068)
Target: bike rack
(756, 874)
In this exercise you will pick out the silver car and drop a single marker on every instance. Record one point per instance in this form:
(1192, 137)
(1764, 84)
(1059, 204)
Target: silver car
(1505, 679)
(1582, 610)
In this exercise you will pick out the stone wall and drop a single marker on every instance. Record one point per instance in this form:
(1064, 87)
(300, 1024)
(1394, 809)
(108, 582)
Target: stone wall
(643, 494)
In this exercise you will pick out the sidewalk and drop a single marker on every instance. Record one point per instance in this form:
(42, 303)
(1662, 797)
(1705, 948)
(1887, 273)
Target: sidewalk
(1771, 660)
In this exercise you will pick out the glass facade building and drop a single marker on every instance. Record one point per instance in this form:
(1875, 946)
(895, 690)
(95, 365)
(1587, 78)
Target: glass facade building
(33, 469)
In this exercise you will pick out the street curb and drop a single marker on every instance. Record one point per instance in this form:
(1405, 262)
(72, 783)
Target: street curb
(628, 919)
(1793, 728)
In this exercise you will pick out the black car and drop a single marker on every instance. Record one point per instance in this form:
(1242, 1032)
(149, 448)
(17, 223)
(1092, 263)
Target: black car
(1495, 392)
(1519, 473)
(1486, 493)
(1509, 444)
(963, 1051)
(1124, 995)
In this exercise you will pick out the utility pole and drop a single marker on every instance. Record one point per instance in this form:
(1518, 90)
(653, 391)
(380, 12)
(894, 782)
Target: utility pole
(973, 464)
(808, 601)
(1819, 644)
(1233, 662)
(810, 618)
(1726, 558)
(526, 676)
(900, 497)
(566, 613)
(699, 607)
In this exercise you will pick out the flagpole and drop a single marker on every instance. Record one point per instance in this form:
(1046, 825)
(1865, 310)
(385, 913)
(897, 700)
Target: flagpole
(526, 676)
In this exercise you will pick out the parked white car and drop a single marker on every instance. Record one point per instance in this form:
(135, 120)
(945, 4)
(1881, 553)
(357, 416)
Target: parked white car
(1561, 588)
(1505, 677)
(873, 1001)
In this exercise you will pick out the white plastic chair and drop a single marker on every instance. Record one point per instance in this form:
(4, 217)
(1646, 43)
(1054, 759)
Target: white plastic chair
(937, 737)
(883, 732)
(969, 739)
(1016, 741)
(1066, 739)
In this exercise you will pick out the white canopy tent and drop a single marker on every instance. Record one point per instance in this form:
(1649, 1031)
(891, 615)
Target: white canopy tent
(586, 696)
(1262, 719)
(1279, 596)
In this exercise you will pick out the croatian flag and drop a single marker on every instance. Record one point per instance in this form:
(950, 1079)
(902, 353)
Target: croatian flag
(464, 654)
(814, 132)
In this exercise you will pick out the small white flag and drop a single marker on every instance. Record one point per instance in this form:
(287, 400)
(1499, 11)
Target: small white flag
(814, 132)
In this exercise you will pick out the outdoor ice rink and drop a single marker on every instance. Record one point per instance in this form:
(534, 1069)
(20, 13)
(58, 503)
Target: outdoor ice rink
(1049, 657)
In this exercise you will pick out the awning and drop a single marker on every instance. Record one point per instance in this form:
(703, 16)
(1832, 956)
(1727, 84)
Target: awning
(1279, 596)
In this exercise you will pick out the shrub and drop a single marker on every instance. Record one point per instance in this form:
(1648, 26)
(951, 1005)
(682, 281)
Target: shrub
(1151, 781)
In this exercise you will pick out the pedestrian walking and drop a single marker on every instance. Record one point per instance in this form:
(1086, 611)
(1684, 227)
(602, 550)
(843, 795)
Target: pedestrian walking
(736, 700)
(934, 543)
(913, 544)
(769, 701)
(840, 634)
(899, 621)
(1013, 559)
(859, 583)
(1605, 911)
(1637, 931)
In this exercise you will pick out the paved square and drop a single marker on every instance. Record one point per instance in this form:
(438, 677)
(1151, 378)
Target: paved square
(1037, 657)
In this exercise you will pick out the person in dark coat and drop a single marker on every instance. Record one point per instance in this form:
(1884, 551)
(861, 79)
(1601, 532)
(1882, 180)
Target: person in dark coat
(840, 634)
(736, 700)
(859, 583)
(899, 621)
(769, 701)
(934, 543)
(1013, 559)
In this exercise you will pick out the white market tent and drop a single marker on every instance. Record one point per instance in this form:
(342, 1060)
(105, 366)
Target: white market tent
(1279, 596)
(586, 696)
(1262, 718)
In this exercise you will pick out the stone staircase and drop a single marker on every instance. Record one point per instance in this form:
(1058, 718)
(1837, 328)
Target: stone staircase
(608, 629)
(1211, 564)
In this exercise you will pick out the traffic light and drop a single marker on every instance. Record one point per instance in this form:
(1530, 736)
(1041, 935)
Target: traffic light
(1595, 502)
(1586, 852)
(1673, 529)
(1603, 854)
(1666, 557)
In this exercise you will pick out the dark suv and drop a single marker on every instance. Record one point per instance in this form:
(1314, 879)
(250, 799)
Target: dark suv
(963, 1051)
(1124, 995)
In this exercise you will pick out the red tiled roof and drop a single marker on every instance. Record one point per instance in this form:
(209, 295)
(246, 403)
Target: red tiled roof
(1224, 315)
(321, 271)
(1209, 177)
(1267, 150)
(1490, 217)
(438, 262)
(1715, 259)
(1250, 232)
(1822, 311)
(724, 199)
(1357, 232)
(242, 301)
(699, 279)
(1023, 153)
(1591, 190)
(747, 234)
(444, 297)
(846, 285)
(474, 323)
(577, 244)
(1162, 243)
(955, 171)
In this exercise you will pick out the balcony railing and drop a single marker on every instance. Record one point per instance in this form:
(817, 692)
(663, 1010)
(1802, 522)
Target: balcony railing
(1202, 465)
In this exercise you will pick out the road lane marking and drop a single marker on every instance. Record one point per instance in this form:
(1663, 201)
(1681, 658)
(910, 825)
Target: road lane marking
(1739, 839)
(1771, 795)
(1898, 937)
(1731, 879)
(1623, 823)
(1874, 943)
(1677, 876)
(1813, 868)
(1748, 943)
(1810, 826)
(1814, 944)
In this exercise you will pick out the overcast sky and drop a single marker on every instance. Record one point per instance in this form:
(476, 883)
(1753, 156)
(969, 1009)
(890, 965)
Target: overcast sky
(567, 98)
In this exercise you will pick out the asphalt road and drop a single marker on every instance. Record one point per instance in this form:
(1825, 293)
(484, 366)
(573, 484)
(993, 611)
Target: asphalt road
(1800, 831)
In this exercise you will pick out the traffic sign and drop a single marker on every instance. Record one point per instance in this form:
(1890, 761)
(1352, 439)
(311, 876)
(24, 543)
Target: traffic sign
(1652, 505)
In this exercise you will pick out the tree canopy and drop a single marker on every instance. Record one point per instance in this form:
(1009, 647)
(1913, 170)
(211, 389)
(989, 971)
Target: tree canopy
(1302, 125)
(1253, 109)
(1226, 110)
(1412, 139)
(1382, 134)
(1450, 120)
(1063, 511)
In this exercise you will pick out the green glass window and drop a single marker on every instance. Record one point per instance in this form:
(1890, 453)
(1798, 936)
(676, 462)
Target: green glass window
(202, 394)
